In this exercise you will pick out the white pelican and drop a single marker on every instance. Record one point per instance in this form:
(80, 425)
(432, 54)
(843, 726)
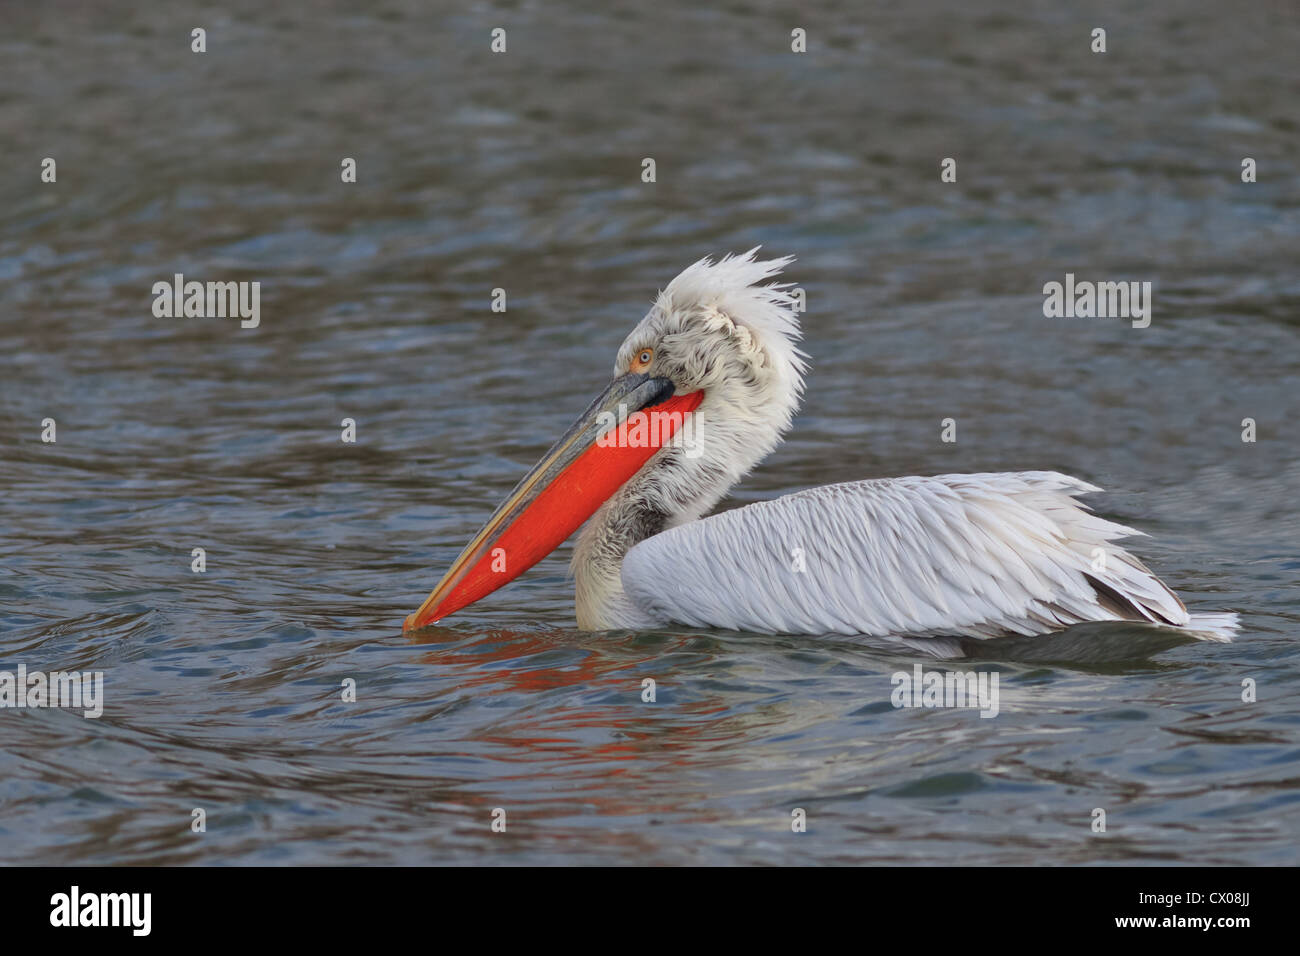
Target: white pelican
(958, 555)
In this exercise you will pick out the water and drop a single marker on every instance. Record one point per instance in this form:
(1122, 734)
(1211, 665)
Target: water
(522, 172)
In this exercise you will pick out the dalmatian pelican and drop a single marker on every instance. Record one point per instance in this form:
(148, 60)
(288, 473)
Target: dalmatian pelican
(704, 388)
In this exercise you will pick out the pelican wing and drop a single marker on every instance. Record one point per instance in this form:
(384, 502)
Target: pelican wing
(975, 555)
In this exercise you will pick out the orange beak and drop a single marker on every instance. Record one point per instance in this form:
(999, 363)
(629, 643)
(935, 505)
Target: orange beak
(621, 430)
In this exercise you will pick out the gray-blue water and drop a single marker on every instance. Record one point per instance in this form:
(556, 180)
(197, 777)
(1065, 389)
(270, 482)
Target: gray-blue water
(522, 171)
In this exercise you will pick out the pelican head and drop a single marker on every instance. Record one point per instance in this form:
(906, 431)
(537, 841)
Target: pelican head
(704, 388)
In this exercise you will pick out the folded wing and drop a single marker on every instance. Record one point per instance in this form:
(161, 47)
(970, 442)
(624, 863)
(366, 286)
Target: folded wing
(985, 555)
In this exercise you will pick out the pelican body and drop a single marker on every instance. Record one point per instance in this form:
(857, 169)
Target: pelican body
(704, 388)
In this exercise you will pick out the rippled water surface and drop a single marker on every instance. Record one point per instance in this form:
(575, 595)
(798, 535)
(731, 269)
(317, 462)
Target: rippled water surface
(522, 171)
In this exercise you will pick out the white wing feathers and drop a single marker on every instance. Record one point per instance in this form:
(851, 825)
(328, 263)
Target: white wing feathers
(975, 555)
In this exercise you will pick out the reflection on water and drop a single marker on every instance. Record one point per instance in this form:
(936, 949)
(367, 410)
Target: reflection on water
(522, 171)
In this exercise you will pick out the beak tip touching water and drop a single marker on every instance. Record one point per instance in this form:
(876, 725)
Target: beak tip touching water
(427, 615)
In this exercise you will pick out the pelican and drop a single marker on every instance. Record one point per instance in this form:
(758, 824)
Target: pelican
(704, 388)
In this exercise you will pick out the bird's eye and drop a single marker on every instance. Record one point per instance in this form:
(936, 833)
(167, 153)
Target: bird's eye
(643, 359)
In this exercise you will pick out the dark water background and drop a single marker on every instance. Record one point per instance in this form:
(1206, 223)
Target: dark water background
(521, 171)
